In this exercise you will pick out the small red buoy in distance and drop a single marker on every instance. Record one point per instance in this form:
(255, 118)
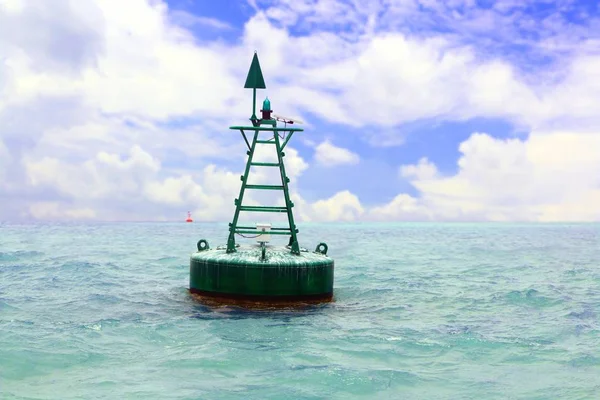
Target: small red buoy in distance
(189, 218)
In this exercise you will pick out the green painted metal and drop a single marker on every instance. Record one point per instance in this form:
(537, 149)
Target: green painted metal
(286, 193)
(262, 270)
(257, 232)
(202, 245)
(255, 79)
(287, 139)
(283, 187)
(321, 248)
(245, 138)
(239, 207)
(253, 227)
(260, 128)
(263, 209)
(265, 187)
(238, 201)
(245, 273)
(253, 116)
(264, 164)
(263, 251)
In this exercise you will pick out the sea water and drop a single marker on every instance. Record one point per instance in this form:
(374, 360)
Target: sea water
(421, 311)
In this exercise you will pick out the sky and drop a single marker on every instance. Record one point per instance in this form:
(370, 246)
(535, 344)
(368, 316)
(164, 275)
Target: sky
(413, 110)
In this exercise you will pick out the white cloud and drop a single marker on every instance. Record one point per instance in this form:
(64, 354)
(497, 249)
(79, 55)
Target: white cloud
(48, 210)
(330, 155)
(173, 191)
(400, 79)
(422, 171)
(342, 206)
(134, 187)
(106, 176)
(11, 6)
(103, 78)
(391, 78)
(403, 207)
(185, 18)
(551, 176)
(5, 160)
(113, 184)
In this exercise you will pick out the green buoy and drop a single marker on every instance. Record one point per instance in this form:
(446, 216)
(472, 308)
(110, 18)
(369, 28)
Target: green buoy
(262, 271)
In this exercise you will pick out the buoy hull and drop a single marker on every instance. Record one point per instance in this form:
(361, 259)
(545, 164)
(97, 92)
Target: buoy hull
(242, 275)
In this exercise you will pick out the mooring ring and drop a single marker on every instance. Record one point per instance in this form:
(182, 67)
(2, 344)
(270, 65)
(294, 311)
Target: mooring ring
(321, 248)
(203, 245)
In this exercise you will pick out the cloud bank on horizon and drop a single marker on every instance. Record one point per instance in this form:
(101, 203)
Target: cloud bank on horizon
(415, 110)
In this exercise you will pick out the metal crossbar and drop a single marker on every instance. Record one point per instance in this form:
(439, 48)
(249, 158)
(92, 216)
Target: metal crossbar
(265, 187)
(257, 232)
(264, 164)
(272, 229)
(263, 208)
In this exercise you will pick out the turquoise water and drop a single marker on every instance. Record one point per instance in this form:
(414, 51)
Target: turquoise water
(444, 311)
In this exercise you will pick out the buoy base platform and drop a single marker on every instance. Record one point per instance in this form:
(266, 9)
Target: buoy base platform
(261, 274)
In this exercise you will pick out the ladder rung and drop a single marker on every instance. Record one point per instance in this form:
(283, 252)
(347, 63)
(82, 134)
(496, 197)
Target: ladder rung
(265, 187)
(266, 141)
(272, 229)
(265, 164)
(244, 231)
(263, 209)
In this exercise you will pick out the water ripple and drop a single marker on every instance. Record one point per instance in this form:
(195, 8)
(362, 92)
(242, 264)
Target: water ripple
(454, 311)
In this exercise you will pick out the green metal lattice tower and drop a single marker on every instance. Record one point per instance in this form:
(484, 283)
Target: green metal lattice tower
(271, 137)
